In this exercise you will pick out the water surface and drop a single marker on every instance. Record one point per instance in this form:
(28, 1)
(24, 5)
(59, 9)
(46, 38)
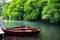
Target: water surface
(49, 31)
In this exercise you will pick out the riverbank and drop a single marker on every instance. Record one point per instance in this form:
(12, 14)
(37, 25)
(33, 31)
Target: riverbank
(47, 21)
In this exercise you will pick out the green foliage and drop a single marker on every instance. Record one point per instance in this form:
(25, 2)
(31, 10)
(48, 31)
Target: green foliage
(52, 11)
(33, 9)
(13, 10)
(23, 9)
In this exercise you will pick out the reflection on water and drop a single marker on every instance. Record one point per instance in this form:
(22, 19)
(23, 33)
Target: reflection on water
(48, 31)
(21, 38)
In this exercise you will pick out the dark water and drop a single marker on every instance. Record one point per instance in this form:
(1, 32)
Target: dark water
(48, 31)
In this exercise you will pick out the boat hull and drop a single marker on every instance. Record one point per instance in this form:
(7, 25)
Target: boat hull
(21, 33)
(22, 30)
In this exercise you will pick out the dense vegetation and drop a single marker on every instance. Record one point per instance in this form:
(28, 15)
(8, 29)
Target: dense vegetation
(32, 10)
(52, 11)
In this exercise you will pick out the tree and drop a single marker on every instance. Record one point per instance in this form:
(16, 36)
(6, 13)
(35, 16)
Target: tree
(52, 10)
(24, 9)
(13, 10)
(33, 9)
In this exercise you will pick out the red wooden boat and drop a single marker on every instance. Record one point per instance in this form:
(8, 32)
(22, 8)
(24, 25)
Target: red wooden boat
(21, 30)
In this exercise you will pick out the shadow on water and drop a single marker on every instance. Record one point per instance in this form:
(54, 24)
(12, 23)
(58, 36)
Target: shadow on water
(49, 31)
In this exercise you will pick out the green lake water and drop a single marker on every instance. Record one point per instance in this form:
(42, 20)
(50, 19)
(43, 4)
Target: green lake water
(49, 31)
